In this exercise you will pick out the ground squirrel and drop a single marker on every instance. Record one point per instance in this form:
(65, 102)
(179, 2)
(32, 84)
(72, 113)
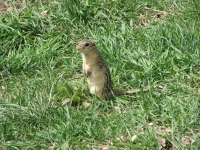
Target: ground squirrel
(97, 71)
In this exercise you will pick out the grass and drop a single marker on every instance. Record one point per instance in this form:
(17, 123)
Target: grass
(145, 43)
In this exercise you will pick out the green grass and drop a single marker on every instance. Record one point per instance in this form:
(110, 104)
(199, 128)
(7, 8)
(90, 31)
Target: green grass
(40, 68)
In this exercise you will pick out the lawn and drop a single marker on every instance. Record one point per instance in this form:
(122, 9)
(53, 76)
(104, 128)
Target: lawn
(45, 101)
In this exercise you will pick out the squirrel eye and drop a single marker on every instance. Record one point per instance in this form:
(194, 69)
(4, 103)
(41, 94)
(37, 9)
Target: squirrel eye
(87, 44)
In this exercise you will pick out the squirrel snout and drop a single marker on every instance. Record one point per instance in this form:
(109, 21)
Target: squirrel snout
(78, 47)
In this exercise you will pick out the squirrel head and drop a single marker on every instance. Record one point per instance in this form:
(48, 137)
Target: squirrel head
(86, 46)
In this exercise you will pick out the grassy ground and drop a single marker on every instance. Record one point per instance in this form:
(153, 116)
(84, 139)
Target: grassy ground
(45, 102)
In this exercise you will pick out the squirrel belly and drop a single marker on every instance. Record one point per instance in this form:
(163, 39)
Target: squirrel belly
(96, 83)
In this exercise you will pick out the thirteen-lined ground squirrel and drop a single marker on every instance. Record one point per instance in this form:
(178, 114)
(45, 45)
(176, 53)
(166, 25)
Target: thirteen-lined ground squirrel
(97, 71)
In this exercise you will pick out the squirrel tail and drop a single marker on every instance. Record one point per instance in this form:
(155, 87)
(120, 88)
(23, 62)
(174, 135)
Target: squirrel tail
(120, 92)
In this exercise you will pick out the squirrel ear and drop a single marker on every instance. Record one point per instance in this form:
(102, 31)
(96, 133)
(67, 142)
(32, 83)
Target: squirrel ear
(93, 44)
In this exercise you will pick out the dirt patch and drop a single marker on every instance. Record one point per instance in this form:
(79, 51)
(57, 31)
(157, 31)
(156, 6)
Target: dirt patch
(2, 7)
(9, 6)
